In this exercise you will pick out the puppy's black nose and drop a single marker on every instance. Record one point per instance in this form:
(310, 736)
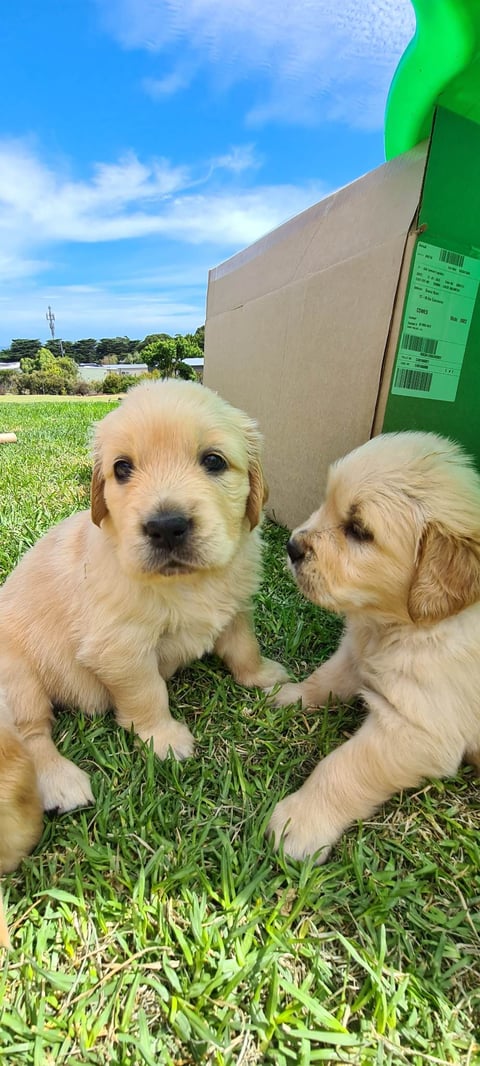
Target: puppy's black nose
(295, 550)
(168, 529)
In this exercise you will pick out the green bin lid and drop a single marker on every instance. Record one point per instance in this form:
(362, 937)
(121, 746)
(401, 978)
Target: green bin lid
(441, 65)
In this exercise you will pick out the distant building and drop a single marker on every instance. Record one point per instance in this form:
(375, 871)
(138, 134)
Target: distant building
(10, 366)
(94, 372)
(196, 364)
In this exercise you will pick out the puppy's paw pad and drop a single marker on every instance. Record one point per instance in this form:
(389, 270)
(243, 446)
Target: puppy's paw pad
(299, 835)
(174, 738)
(64, 786)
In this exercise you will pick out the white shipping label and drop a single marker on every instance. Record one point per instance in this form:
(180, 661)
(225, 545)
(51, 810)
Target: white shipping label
(437, 319)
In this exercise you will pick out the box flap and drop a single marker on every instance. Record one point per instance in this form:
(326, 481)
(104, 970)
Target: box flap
(364, 214)
(298, 323)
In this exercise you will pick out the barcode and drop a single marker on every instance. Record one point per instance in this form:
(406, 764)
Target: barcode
(413, 379)
(419, 344)
(451, 257)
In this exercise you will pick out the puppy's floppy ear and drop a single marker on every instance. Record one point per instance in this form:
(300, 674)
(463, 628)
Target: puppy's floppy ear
(258, 494)
(447, 577)
(98, 506)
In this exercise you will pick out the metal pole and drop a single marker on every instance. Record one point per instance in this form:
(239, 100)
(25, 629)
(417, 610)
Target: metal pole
(50, 317)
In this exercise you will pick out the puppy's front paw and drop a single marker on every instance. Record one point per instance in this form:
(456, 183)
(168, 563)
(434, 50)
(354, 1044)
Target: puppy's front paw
(290, 693)
(300, 829)
(174, 738)
(64, 786)
(268, 674)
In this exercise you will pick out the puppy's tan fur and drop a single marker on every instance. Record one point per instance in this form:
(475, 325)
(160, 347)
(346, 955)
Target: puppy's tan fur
(396, 549)
(20, 805)
(96, 616)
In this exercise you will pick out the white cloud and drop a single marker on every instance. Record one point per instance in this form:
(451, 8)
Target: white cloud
(16, 265)
(178, 79)
(204, 216)
(315, 59)
(40, 205)
(241, 158)
(29, 187)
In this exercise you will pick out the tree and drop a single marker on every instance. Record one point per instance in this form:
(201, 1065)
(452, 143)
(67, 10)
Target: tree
(84, 351)
(42, 360)
(56, 346)
(47, 362)
(68, 367)
(161, 354)
(135, 356)
(187, 347)
(133, 347)
(112, 346)
(21, 348)
(199, 337)
(27, 366)
(166, 354)
(149, 339)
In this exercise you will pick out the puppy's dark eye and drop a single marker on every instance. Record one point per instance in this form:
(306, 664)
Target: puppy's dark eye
(214, 463)
(356, 531)
(123, 469)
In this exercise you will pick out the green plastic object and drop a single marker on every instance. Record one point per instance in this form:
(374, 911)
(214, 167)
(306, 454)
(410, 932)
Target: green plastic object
(442, 298)
(441, 65)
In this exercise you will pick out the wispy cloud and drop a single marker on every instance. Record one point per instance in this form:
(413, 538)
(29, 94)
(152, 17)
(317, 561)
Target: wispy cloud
(40, 205)
(315, 59)
(178, 79)
(237, 160)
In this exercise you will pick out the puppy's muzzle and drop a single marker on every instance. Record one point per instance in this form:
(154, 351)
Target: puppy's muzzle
(168, 531)
(295, 550)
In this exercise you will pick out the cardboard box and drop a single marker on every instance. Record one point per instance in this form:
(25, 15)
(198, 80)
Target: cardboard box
(341, 322)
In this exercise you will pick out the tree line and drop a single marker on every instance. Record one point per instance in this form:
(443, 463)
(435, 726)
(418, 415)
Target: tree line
(53, 366)
(106, 350)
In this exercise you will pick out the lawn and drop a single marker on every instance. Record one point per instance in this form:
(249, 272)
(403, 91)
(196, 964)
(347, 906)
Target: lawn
(159, 927)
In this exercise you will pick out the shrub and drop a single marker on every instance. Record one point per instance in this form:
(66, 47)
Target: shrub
(67, 366)
(83, 388)
(114, 382)
(9, 382)
(41, 383)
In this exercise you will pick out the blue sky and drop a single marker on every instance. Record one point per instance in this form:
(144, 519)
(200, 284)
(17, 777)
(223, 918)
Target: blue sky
(144, 141)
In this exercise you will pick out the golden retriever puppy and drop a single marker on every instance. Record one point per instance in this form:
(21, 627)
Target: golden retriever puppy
(20, 805)
(106, 606)
(395, 548)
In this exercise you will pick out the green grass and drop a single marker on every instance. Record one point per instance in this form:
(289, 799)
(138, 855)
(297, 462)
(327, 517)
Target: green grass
(160, 927)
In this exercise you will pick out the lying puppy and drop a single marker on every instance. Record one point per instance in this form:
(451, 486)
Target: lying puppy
(105, 607)
(396, 549)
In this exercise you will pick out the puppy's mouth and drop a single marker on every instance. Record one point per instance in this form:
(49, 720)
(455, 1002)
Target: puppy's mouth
(169, 567)
(305, 572)
(297, 557)
(169, 544)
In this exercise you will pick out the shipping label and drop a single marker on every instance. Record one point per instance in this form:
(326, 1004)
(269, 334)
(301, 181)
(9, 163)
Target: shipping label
(436, 323)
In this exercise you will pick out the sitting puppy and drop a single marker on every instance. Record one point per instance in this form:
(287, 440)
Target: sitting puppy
(396, 549)
(106, 606)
